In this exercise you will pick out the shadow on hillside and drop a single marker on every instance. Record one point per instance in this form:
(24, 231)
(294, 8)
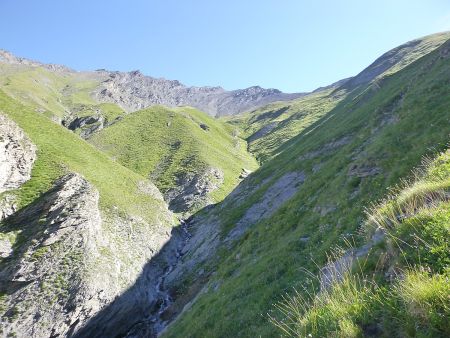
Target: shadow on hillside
(133, 313)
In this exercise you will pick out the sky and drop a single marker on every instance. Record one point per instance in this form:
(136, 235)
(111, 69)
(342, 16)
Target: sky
(292, 45)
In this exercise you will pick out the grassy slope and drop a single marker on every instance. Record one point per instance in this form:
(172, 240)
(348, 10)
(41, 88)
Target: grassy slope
(292, 118)
(287, 119)
(60, 150)
(57, 94)
(391, 125)
(401, 288)
(152, 145)
(170, 142)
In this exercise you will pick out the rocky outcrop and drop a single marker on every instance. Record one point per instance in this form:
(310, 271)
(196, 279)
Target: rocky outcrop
(8, 205)
(363, 170)
(134, 91)
(327, 148)
(17, 155)
(87, 125)
(193, 190)
(66, 260)
(335, 271)
(9, 58)
(274, 197)
(44, 274)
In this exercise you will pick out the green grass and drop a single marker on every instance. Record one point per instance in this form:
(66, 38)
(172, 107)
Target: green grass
(57, 95)
(414, 303)
(60, 151)
(167, 144)
(287, 118)
(294, 117)
(52, 92)
(390, 125)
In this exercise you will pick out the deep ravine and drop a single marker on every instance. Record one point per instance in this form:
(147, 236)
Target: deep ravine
(155, 323)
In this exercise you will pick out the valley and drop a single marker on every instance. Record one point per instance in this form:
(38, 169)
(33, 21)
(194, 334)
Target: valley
(133, 206)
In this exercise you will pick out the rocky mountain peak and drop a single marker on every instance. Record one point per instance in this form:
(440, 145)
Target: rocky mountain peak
(134, 91)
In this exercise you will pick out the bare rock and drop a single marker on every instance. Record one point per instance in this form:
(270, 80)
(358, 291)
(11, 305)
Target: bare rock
(44, 277)
(327, 148)
(17, 155)
(275, 196)
(134, 91)
(335, 271)
(87, 125)
(69, 261)
(8, 206)
(363, 170)
(244, 173)
(193, 190)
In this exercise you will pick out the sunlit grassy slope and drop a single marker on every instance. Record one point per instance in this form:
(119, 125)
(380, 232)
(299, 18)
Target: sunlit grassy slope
(268, 128)
(350, 156)
(60, 150)
(56, 94)
(168, 143)
(401, 287)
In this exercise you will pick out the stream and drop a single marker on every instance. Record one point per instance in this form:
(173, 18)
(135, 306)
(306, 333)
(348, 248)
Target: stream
(154, 323)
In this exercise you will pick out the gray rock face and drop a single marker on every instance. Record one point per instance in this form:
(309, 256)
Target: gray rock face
(17, 155)
(87, 124)
(363, 170)
(274, 197)
(193, 191)
(335, 271)
(134, 91)
(69, 261)
(7, 57)
(8, 206)
(48, 294)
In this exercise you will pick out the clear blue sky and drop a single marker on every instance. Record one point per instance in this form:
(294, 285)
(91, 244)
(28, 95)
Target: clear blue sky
(293, 45)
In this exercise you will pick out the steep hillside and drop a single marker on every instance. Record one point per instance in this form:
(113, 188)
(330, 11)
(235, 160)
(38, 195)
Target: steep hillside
(75, 232)
(268, 128)
(277, 227)
(397, 283)
(192, 158)
(58, 93)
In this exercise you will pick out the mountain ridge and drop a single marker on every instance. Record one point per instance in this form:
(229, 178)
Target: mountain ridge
(135, 91)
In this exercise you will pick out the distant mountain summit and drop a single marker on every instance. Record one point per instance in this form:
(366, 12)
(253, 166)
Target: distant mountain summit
(134, 91)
